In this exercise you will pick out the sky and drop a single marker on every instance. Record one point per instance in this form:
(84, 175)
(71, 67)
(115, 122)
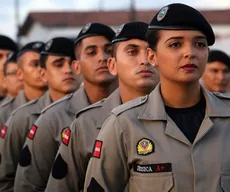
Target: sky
(7, 13)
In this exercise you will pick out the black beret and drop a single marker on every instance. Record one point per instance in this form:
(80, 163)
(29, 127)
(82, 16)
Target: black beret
(217, 55)
(12, 57)
(95, 29)
(60, 46)
(35, 46)
(7, 44)
(133, 30)
(178, 16)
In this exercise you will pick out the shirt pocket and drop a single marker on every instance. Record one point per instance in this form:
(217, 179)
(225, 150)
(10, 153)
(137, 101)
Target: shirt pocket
(225, 181)
(156, 182)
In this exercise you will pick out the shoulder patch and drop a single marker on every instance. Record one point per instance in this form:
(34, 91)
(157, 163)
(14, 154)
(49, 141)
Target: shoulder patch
(67, 97)
(25, 105)
(3, 131)
(131, 104)
(7, 102)
(222, 95)
(95, 105)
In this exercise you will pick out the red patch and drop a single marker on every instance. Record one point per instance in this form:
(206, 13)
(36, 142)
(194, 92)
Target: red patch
(32, 132)
(97, 149)
(66, 136)
(3, 131)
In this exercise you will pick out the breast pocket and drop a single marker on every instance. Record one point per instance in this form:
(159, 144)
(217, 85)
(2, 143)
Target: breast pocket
(156, 182)
(225, 181)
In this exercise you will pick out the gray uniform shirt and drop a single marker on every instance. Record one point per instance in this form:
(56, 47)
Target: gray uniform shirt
(70, 165)
(44, 140)
(140, 145)
(17, 127)
(9, 106)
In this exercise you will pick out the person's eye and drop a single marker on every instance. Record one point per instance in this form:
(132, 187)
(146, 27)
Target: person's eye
(108, 51)
(132, 52)
(91, 53)
(201, 44)
(59, 64)
(175, 44)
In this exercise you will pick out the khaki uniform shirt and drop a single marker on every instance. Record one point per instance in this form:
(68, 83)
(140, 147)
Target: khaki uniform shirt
(9, 106)
(44, 140)
(140, 145)
(70, 166)
(17, 127)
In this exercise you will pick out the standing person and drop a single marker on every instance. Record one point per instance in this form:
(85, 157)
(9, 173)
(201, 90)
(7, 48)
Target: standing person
(12, 82)
(29, 72)
(7, 46)
(92, 50)
(175, 139)
(56, 63)
(136, 78)
(217, 73)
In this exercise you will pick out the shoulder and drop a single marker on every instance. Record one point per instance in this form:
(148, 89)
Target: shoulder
(133, 104)
(9, 101)
(57, 103)
(222, 95)
(24, 107)
(90, 108)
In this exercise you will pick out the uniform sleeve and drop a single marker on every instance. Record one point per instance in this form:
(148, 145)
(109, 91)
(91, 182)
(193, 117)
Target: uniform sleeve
(11, 146)
(108, 168)
(36, 158)
(68, 169)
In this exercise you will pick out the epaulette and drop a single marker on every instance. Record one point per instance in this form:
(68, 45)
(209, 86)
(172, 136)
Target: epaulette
(222, 95)
(131, 104)
(7, 102)
(25, 105)
(95, 105)
(67, 97)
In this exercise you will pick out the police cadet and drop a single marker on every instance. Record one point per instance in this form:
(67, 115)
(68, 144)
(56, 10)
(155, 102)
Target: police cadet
(217, 73)
(92, 49)
(12, 82)
(7, 46)
(56, 59)
(29, 71)
(175, 139)
(136, 78)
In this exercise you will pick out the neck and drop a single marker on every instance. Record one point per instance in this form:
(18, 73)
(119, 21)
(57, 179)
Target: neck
(178, 96)
(55, 95)
(32, 93)
(128, 94)
(96, 93)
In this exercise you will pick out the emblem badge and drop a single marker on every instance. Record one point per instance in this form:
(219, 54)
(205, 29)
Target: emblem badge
(32, 132)
(97, 149)
(161, 15)
(120, 29)
(65, 135)
(145, 147)
(48, 45)
(37, 45)
(86, 28)
(3, 132)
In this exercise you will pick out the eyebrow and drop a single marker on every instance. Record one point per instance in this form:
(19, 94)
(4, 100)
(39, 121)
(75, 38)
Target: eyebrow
(58, 60)
(181, 37)
(131, 46)
(34, 60)
(95, 46)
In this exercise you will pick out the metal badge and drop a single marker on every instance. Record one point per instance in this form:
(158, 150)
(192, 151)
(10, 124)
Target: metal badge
(48, 45)
(161, 15)
(36, 45)
(120, 29)
(86, 28)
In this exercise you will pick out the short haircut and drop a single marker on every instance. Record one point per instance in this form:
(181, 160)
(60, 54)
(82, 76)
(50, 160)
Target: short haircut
(43, 60)
(153, 38)
(6, 65)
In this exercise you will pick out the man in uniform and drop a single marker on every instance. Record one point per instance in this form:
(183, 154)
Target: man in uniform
(13, 84)
(29, 72)
(136, 78)
(175, 139)
(56, 60)
(7, 46)
(92, 49)
(217, 73)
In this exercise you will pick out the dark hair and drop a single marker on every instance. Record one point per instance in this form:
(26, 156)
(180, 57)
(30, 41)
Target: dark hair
(43, 60)
(5, 66)
(114, 49)
(153, 38)
(76, 49)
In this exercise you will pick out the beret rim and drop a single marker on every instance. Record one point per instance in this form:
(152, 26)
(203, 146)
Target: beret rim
(54, 54)
(88, 35)
(32, 50)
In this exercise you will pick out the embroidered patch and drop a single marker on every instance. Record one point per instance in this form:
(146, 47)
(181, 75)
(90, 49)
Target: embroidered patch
(161, 15)
(145, 147)
(3, 131)
(32, 132)
(153, 168)
(97, 149)
(65, 135)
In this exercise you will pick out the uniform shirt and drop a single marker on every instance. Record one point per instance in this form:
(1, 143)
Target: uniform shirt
(68, 173)
(16, 129)
(141, 146)
(188, 120)
(44, 139)
(8, 107)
